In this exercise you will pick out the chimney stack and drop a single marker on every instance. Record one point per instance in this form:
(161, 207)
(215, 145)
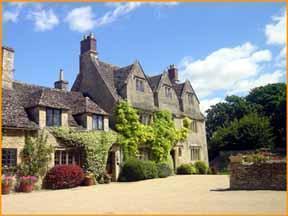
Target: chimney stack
(61, 83)
(88, 44)
(173, 73)
(7, 67)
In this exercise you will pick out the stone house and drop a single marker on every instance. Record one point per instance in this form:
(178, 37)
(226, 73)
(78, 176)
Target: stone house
(106, 84)
(28, 109)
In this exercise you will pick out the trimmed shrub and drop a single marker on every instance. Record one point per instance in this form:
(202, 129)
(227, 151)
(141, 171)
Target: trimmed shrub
(135, 170)
(185, 169)
(64, 176)
(201, 167)
(164, 170)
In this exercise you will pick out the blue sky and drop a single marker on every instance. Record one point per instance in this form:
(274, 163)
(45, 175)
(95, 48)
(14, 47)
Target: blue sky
(223, 48)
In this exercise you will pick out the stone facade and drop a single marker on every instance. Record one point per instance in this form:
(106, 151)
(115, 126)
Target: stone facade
(262, 176)
(7, 67)
(107, 84)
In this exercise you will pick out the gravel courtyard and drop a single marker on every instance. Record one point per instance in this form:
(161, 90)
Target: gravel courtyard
(181, 194)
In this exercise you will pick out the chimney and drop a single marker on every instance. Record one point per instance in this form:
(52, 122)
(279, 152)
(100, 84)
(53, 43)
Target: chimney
(173, 73)
(7, 67)
(61, 83)
(88, 44)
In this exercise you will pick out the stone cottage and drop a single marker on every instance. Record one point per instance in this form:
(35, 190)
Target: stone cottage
(106, 84)
(27, 108)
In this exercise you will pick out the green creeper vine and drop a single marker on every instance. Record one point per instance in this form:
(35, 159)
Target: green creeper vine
(161, 135)
(95, 145)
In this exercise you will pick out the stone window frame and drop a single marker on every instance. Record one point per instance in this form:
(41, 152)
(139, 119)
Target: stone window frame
(9, 157)
(194, 126)
(53, 122)
(190, 98)
(195, 152)
(180, 153)
(168, 91)
(139, 84)
(66, 156)
(97, 122)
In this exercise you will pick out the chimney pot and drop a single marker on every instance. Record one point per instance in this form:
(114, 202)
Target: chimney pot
(173, 73)
(61, 83)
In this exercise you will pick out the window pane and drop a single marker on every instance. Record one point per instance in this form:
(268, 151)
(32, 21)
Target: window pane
(100, 122)
(57, 157)
(9, 157)
(63, 157)
(70, 157)
(49, 117)
(57, 117)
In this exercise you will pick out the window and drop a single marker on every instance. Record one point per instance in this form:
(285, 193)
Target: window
(140, 85)
(180, 152)
(194, 126)
(66, 157)
(168, 92)
(145, 119)
(195, 153)
(190, 98)
(53, 117)
(9, 157)
(97, 123)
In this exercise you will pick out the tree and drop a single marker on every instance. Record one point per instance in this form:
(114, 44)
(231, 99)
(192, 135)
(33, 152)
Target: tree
(222, 114)
(248, 133)
(35, 156)
(272, 102)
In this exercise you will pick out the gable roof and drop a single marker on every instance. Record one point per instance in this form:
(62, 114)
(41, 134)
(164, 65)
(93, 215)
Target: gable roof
(23, 96)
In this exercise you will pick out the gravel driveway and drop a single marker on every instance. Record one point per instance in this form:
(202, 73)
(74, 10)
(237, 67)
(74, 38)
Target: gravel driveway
(181, 194)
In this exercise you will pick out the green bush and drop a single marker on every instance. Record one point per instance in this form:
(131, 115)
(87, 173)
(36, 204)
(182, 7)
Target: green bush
(201, 167)
(186, 169)
(164, 170)
(135, 170)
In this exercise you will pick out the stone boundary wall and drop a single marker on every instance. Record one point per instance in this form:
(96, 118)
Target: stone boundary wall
(262, 176)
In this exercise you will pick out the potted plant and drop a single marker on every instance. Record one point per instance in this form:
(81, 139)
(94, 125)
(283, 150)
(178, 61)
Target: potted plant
(7, 182)
(89, 179)
(27, 183)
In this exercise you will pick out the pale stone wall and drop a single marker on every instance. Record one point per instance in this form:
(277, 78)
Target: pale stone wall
(42, 117)
(106, 123)
(138, 99)
(164, 102)
(89, 122)
(194, 139)
(15, 138)
(7, 67)
(64, 118)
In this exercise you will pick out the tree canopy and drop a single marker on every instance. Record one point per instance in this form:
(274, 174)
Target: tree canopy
(254, 121)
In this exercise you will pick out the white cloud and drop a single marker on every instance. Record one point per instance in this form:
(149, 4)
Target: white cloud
(221, 69)
(206, 103)
(44, 20)
(243, 86)
(12, 15)
(81, 19)
(276, 31)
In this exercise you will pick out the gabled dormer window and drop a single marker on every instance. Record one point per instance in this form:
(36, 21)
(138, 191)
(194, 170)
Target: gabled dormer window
(168, 92)
(97, 123)
(53, 117)
(139, 85)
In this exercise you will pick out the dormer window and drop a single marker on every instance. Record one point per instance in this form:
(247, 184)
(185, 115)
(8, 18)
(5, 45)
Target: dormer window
(190, 98)
(139, 85)
(97, 123)
(53, 117)
(168, 92)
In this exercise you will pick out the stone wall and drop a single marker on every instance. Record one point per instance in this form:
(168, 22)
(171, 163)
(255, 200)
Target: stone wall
(7, 67)
(262, 176)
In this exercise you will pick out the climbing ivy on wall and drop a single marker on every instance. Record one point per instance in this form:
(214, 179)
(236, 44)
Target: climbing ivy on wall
(160, 135)
(95, 146)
